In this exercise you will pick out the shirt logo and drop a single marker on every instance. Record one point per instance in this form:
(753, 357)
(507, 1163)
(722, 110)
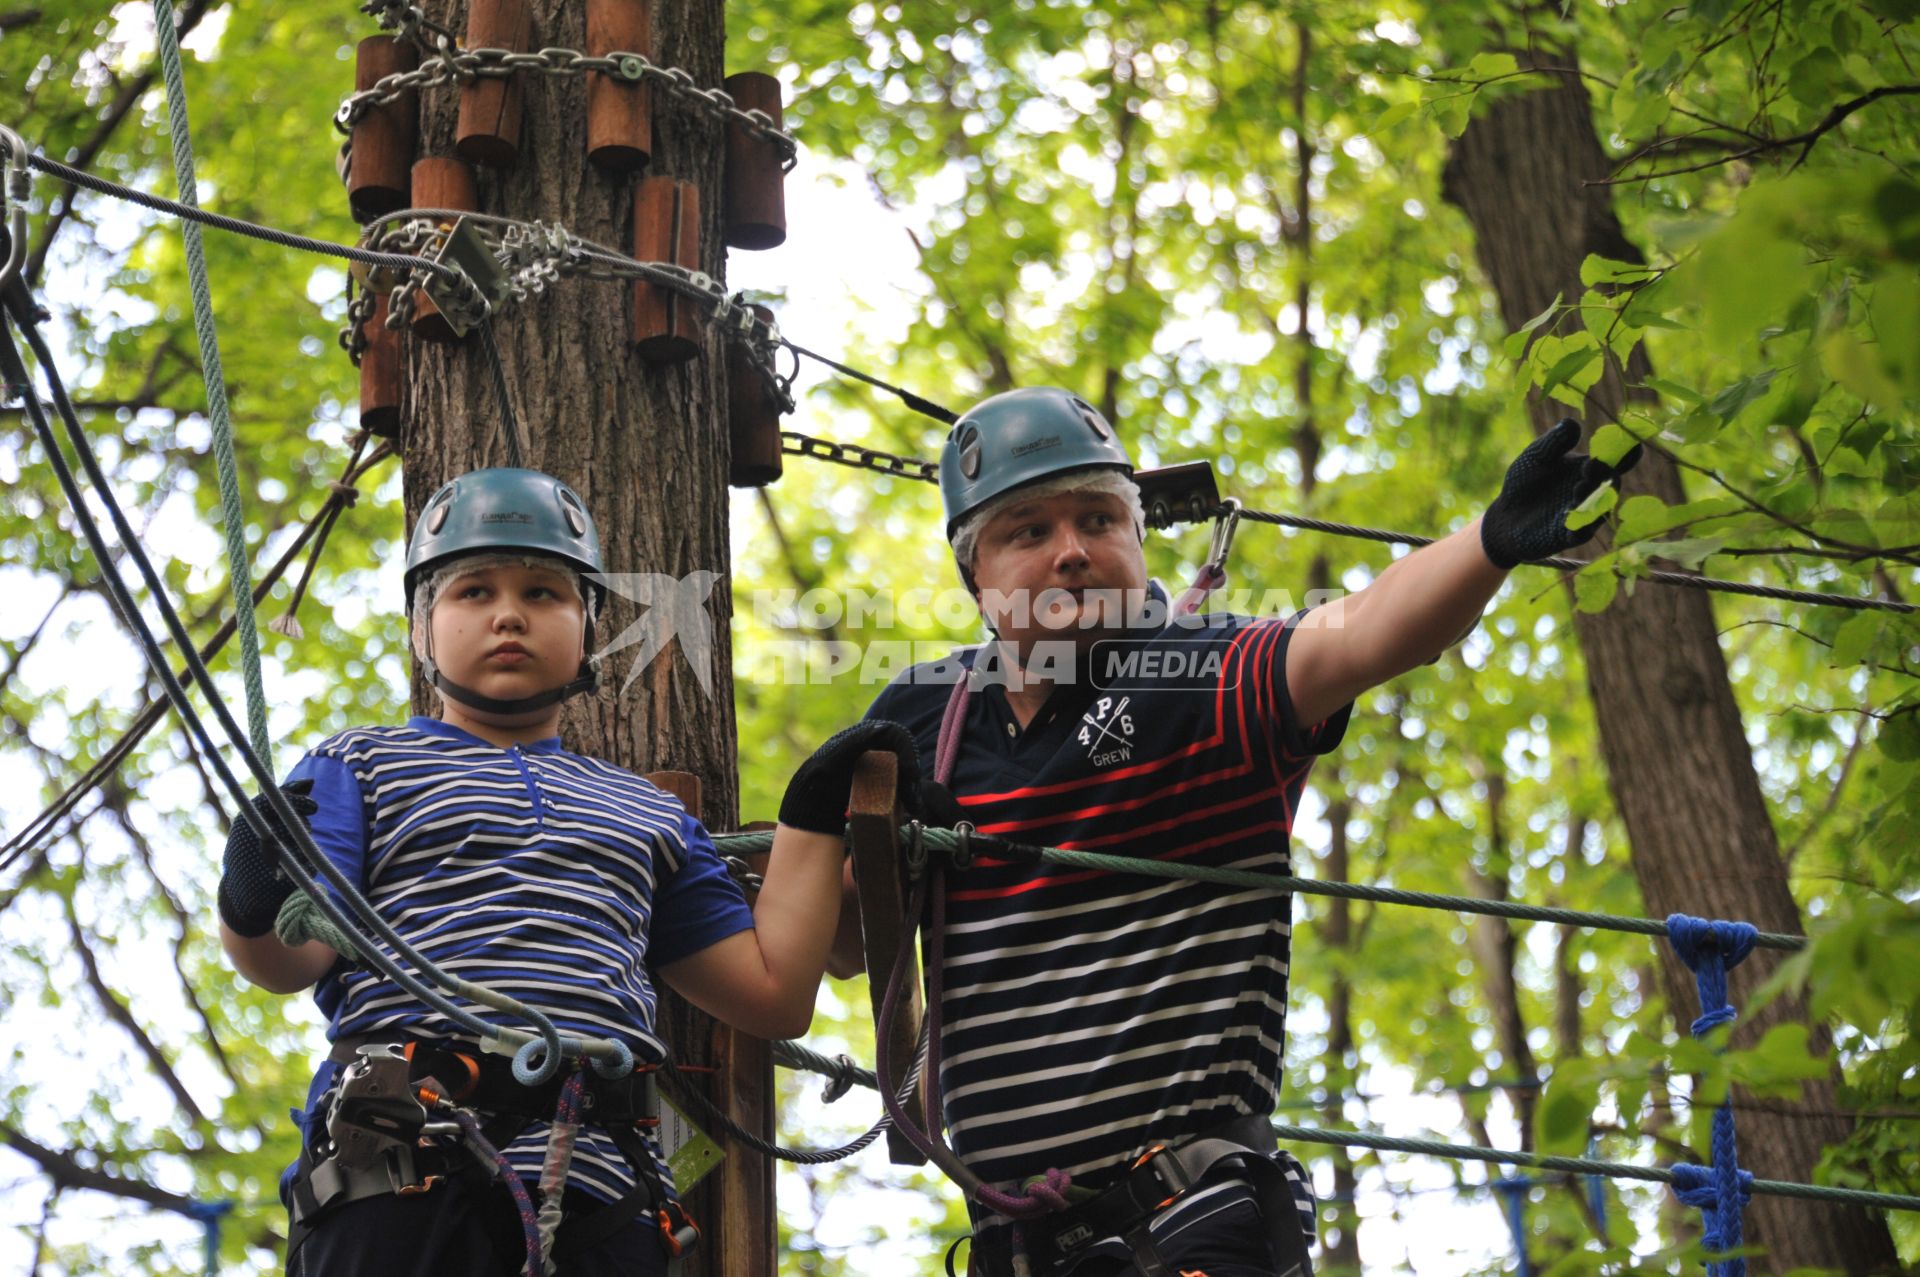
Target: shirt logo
(1107, 731)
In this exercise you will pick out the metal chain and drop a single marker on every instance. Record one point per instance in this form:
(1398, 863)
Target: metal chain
(454, 65)
(795, 444)
(537, 255)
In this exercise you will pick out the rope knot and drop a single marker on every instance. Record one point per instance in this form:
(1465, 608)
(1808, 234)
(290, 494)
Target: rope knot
(1700, 941)
(345, 493)
(1699, 1186)
(1713, 1019)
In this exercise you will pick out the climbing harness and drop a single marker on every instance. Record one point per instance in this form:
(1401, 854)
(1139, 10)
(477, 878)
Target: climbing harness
(1049, 1230)
(390, 1115)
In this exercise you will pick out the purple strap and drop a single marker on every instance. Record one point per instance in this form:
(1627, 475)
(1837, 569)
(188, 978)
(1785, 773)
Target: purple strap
(1210, 577)
(1041, 1197)
(953, 722)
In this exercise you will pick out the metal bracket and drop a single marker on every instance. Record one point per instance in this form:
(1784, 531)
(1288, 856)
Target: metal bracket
(466, 302)
(14, 202)
(1184, 493)
(374, 1116)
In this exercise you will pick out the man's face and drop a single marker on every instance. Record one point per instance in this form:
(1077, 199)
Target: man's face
(1061, 567)
(510, 631)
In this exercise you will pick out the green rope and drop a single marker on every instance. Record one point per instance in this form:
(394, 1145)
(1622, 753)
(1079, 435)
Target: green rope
(797, 1057)
(1583, 1166)
(945, 840)
(232, 517)
(300, 920)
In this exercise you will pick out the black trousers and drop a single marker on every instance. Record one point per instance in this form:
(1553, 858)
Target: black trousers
(461, 1228)
(1229, 1240)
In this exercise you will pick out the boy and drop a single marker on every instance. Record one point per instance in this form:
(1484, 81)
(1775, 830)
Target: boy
(562, 881)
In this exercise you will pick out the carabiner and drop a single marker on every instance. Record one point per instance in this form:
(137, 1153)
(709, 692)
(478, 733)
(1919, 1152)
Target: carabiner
(19, 188)
(1223, 529)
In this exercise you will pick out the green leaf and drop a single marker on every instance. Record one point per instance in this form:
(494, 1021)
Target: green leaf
(1729, 403)
(1492, 66)
(1856, 365)
(1610, 443)
(1393, 115)
(1564, 1119)
(1605, 270)
(1517, 341)
(1854, 638)
(1900, 738)
(1689, 553)
(1596, 585)
(1594, 508)
(1674, 390)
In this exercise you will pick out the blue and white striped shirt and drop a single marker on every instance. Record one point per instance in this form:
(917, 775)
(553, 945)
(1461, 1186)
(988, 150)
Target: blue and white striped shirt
(559, 880)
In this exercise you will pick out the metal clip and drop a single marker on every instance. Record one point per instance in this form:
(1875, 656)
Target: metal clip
(19, 189)
(1223, 529)
(375, 1115)
(962, 857)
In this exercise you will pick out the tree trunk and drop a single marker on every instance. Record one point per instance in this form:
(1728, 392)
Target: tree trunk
(1678, 762)
(646, 446)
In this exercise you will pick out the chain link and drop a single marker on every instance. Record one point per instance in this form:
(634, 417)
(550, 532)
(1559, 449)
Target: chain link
(536, 255)
(451, 64)
(793, 443)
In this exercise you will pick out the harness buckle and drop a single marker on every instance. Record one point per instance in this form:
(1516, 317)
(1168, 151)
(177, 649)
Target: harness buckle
(678, 1233)
(1169, 1175)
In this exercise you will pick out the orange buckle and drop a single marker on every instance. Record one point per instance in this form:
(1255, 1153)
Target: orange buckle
(425, 1185)
(678, 1233)
(461, 1090)
(1170, 1174)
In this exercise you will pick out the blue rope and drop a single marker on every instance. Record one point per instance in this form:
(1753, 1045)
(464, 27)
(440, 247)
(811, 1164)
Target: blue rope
(1710, 950)
(1514, 1190)
(209, 1215)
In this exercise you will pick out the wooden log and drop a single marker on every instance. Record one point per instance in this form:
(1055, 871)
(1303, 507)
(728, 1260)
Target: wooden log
(753, 419)
(738, 1195)
(619, 112)
(382, 374)
(440, 182)
(873, 829)
(666, 228)
(756, 197)
(383, 138)
(489, 128)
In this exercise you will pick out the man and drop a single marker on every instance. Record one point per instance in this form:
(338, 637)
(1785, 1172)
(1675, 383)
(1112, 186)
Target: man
(1128, 1031)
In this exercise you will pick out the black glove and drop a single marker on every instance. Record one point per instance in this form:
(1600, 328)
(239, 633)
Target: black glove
(1528, 520)
(252, 884)
(820, 792)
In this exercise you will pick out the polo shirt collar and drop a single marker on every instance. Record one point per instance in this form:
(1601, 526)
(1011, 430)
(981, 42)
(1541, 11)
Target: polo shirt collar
(439, 727)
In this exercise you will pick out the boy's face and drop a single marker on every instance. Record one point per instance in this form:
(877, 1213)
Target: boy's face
(510, 631)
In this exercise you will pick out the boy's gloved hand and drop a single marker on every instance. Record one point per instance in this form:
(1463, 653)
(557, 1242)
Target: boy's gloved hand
(820, 792)
(252, 884)
(1528, 520)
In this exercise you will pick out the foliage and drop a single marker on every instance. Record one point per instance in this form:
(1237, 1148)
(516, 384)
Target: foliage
(1110, 198)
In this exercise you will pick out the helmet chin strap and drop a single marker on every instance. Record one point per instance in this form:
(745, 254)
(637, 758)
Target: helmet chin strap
(587, 681)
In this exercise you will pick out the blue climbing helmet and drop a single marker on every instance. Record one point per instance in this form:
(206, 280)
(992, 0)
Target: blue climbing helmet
(507, 511)
(1023, 437)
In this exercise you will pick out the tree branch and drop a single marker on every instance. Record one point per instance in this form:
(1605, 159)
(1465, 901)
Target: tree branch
(1805, 141)
(118, 1012)
(64, 1168)
(116, 113)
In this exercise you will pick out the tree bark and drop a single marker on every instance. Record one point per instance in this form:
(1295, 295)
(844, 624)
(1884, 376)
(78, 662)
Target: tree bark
(1678, 762)
(646, 446)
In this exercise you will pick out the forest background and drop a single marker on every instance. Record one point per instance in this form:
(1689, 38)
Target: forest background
(1235, 228)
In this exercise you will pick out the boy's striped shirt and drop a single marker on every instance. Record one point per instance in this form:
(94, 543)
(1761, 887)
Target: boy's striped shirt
(555, 879)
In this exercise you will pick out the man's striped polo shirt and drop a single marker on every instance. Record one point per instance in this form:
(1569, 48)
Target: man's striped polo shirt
(1087, 1015)
(553, 878)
